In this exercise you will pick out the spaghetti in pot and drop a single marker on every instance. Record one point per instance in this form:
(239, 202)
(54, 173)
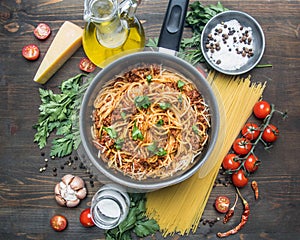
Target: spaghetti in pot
(149, 122)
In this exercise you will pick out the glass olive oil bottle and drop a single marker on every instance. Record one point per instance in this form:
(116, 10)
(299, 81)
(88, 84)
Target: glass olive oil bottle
(110, 32)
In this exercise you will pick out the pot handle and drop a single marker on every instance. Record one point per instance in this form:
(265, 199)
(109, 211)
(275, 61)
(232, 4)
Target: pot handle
(172, 28)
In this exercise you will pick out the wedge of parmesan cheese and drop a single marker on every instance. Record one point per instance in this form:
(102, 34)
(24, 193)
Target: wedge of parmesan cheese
(64, 45)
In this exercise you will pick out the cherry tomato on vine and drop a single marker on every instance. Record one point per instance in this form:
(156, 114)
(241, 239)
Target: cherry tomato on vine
(42, 31)
(239, 179)
(58, 222)
(222, 204)
(250, 131)
(270, 133)
(86, 218)
(31, 52)
(262, 109)
(251, 163)
(229, 162)
(86, 65)
(242, 146)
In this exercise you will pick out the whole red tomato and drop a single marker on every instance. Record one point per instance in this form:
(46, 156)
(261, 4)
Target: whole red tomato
(242, 146)
(270, 133)
(58, 222)
(239, 179)
(262, 109)
(222, 204)
(250, 131)
(86, 218)
(229, 162)
(251, 163)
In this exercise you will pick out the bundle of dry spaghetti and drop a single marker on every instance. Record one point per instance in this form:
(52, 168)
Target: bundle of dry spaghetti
(178, 209)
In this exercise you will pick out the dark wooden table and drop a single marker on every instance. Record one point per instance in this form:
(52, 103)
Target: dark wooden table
(26, 195)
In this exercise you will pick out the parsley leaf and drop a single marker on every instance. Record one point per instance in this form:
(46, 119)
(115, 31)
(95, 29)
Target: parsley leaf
(142, 102)
(136, 133)
(195, 129)
(155, 150)
(149, 78)
(164, 105)
(119, 143)
(160, 122)
(112, 133)
(180, 84)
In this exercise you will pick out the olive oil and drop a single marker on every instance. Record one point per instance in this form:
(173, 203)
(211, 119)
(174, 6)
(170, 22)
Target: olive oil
(102, 55)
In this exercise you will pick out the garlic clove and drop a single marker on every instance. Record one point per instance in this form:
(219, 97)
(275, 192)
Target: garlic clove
(57, 189)
(67, 179)
(61, 201)
(73, 203)
(77, 183)
(81, 193)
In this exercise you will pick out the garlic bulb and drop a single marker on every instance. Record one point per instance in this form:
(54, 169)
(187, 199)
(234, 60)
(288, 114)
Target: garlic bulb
(70, 190)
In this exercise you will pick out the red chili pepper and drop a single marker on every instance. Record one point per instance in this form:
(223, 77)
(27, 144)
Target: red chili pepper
(254, 186)
(230, 212)
(244, 219)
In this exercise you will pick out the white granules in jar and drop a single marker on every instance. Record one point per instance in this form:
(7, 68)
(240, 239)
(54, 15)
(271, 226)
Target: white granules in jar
(230, 45)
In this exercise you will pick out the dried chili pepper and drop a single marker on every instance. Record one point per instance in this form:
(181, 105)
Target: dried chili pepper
(230, 212)
(244, 219)
(254, 186)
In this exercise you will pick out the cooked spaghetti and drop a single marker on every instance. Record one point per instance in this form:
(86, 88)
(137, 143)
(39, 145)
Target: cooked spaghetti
(150, 122)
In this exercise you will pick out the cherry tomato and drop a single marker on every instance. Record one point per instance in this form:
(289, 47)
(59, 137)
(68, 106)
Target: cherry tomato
(31, 52)
(86, 218)
(86, 65)
(42, 31)
(242, 146)
(229, 162)
(251, 163)
(222, 204)
(58, 222)
(250, 131)
(261, 109)
(270, 133)
(239, 179)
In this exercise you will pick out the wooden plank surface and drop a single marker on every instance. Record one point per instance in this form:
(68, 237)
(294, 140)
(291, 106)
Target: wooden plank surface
(26, 195)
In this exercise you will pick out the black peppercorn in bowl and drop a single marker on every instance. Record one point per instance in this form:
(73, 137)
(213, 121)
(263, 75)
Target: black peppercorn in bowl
(232, 42)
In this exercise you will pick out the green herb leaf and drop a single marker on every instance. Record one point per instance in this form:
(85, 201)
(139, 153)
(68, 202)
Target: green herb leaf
(180, 84)
(180, 98)
(142, 102)
(136, 133)
(195, 129)
(119, 143)
(149, 78)
(145, 228)
(164, 105)
(160, 123)
(152, 42)
(123, 115)
(155, 150)
(62, 146)
(112, 133)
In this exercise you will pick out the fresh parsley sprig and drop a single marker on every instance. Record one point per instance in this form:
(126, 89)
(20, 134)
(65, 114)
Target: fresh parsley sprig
(59, 114)
(135, 222)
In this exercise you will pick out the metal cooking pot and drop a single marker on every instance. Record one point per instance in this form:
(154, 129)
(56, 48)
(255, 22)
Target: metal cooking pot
(169, 42)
